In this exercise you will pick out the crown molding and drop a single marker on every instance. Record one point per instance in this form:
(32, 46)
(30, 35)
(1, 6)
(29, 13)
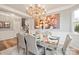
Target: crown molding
(22, 14)
(59, 9)
(19, 13)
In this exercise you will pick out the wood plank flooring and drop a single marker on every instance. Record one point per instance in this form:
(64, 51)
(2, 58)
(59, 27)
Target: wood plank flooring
(7, 43)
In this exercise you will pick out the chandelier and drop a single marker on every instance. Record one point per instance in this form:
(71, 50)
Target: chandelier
(36, 11)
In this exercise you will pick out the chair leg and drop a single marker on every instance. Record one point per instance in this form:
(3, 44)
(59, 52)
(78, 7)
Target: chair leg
(25, 50)
(44, 51)
(18, 49)
(18, 46)
(63, 51)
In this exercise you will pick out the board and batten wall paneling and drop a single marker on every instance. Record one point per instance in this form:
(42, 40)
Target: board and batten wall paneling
(15, 25)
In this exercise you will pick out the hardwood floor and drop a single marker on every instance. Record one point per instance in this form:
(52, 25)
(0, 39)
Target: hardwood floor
(7, 43)
(11, 43)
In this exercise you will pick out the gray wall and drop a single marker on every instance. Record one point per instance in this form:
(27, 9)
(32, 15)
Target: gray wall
(65, 20)
(15, 22)
(65, 23)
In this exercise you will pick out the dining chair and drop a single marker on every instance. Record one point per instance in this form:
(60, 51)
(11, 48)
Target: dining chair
(65, 45)
(74, 47)
(32, 47)
(21, 45)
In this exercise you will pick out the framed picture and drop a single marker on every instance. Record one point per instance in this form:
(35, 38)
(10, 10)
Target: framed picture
(1, 24)
(7, 25)
(4, 24)
(51, 21)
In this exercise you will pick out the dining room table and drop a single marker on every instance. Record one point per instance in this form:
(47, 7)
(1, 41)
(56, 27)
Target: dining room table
(49, 42)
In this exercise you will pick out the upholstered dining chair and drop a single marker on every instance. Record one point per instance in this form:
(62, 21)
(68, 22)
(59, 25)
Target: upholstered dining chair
(74, 47)
(32, 47)
(21, 45)
(66, 43)
(63, 49)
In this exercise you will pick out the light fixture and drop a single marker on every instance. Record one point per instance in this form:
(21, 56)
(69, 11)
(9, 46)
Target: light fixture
(36, 11)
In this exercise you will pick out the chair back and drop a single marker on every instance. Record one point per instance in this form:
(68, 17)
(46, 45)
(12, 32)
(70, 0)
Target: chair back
(75, 40)
(21, 41)
(31, 44)
(66, 43)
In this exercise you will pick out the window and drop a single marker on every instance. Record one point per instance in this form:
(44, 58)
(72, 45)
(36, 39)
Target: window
(76, 21)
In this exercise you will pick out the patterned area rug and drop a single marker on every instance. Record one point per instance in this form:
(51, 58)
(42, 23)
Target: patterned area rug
(5, 44)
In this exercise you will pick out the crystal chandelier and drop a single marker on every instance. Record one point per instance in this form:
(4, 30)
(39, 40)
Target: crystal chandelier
(36, 11)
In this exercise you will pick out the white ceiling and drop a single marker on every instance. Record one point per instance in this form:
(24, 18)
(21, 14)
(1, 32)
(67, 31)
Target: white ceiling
(21, 8)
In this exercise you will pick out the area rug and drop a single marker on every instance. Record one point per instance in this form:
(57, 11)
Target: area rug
(7, 43)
